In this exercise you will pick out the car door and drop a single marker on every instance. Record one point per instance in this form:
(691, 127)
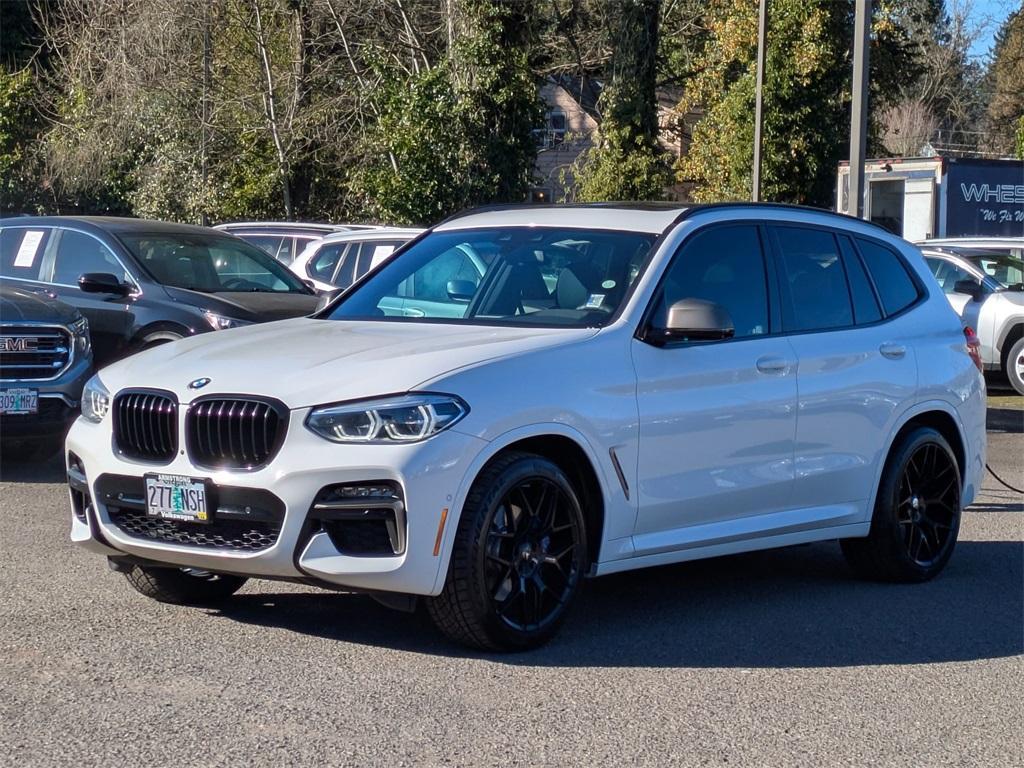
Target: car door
(111, 317)
(856, 369)
(717, 419)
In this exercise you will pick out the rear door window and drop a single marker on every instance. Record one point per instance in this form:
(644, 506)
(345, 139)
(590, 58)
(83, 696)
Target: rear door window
(815, 288)
(895, 286)
(22, 250)
(865, 304)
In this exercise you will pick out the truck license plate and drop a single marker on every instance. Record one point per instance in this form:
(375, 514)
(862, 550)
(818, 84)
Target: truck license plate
(176, 497)
(15, 401)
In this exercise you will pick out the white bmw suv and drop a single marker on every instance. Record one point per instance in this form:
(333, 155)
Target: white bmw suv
(621, 387)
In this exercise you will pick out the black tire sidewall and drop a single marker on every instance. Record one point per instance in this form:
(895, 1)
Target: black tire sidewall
(522, 469)
(885, 527)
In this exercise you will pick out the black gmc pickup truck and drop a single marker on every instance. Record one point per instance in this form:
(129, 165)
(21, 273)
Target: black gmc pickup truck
(45, 360)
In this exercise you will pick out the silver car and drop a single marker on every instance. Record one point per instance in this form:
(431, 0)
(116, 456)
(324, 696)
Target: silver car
(985, 285)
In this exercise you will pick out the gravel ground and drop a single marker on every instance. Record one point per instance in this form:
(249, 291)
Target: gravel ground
(773, 658)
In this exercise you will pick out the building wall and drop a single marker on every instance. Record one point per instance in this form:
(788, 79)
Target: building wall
(560, 150)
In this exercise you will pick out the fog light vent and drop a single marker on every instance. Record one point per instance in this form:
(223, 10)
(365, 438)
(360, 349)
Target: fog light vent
(362, 519)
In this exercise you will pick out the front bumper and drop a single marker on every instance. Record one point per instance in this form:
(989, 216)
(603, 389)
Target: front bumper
(429, 474)
(59, 401)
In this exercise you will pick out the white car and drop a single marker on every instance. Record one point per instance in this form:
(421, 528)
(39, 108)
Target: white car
(284, 240)
(623, 387)
(984, 282)
(338, 260)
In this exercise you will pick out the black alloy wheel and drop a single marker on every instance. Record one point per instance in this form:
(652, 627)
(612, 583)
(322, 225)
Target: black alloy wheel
(531, 545)
(518, 559)
(917, 512)
(929, 506)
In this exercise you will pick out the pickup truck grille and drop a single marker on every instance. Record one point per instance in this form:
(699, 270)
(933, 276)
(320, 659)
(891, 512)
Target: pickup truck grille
(146, 425)
(33, 353)
(235, 432)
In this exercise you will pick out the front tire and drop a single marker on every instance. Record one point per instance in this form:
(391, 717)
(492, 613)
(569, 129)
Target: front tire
(519, 556)
(183, 586)
(1014, 366)
(917, 513)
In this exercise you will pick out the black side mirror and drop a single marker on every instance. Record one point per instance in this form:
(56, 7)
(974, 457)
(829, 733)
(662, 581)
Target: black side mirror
(461, 290)
(103, 282)
(693, 320)
(972, 288)
(311, 285)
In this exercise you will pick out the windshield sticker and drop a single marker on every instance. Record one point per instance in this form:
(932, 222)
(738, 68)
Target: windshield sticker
(594, 301)
(608, 284)
(29, 247)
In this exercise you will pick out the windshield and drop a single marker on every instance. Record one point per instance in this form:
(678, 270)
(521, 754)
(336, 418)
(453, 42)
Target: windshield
(507, 276)
(1007, 270)
(210, 263)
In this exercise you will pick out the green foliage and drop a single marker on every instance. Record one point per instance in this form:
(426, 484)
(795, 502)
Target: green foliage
(626, 163)
(806, 109)
(19, 127)
(1006, 78)
(458, 134)
(416, 171)
(1020, 138)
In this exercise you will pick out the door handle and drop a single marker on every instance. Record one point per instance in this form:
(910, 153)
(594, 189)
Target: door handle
(773, 365)
(413, 312)
(893, 351)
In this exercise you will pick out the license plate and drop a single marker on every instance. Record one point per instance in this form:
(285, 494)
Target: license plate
(16, 401)
(176, 497)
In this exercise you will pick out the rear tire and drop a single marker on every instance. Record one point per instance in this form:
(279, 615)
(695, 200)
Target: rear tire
(518, 558)
(183, 586)
(917, 513)
(1014, 366)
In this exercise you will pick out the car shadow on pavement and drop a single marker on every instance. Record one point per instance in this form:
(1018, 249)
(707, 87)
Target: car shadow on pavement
(797, 607)
(44, 471)
(1005, 420)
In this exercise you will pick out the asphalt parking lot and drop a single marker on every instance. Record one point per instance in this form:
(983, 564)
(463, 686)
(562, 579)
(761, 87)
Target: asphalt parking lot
(773, 658)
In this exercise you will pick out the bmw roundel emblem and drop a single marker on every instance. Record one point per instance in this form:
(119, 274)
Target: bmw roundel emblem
(198, 383)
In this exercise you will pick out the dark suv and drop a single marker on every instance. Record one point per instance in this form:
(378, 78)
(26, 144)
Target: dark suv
(45, 359)
(141, 283)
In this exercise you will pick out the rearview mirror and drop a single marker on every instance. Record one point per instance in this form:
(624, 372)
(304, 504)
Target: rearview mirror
(693, 320)
(461, 290)
(103, 282)
(972, 288)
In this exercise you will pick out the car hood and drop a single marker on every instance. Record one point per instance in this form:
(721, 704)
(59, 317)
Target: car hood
(251, 306)
(19, 305)
(305, 362)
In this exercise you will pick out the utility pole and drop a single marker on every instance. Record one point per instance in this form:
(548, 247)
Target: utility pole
(859, 110)
(762, 49)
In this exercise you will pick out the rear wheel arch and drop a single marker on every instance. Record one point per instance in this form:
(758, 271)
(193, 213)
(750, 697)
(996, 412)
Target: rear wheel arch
(943, 423)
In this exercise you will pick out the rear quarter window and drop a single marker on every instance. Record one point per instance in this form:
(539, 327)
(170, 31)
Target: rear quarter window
(896, 288)
(22, 250)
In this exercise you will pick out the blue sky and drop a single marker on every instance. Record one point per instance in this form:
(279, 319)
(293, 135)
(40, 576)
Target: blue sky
(993, 13)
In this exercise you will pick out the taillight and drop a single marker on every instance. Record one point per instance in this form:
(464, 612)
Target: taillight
(973, 346)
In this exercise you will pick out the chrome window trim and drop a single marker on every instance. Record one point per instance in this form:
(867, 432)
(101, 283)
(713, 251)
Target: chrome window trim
(42, 325)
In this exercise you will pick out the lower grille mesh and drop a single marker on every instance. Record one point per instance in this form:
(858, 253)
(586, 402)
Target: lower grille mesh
(237, 535)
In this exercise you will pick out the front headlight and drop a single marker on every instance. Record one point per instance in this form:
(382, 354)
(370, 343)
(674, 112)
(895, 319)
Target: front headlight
(400, 419)
(221, 322)
(80, 335)
(95, 400)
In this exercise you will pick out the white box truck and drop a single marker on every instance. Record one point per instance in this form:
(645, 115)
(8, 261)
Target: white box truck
(925, 197)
